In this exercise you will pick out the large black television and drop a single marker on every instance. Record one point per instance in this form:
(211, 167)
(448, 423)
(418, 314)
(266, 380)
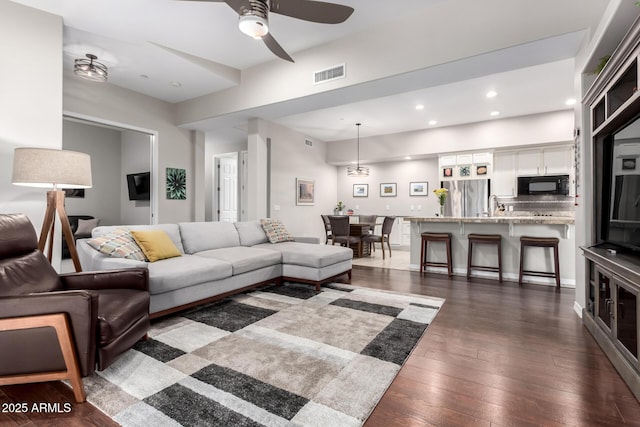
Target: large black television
(139, 185)
(620, 187)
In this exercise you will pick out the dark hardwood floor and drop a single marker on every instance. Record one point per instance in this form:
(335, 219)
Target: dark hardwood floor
(496, 355)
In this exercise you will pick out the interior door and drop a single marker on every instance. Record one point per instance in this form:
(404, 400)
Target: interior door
(227, 167)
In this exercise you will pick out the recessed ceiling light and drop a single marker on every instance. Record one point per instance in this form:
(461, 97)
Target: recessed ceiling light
(419, 107)
(407, 158)
(570, 101)
(495, 113)
(433, 122)
(492, 94)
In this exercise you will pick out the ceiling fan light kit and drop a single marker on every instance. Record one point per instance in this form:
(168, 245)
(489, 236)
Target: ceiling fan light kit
(254, 22)
(90, 69)
(253, 17)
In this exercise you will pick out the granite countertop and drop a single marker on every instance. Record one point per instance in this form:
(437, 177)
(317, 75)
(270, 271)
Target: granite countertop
(549, 220)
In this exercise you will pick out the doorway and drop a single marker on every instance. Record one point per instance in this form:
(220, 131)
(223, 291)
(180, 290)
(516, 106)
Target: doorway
(116, 150)
(226, 187)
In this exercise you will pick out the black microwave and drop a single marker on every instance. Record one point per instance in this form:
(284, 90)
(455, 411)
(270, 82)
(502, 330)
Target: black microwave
(542, 185)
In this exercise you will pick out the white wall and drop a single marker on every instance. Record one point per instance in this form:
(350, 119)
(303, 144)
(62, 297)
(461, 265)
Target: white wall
(548, 128)
(133, 110)
(30, 97)
(135, 157)
(291, 159)
(402, 173)
(103, 145)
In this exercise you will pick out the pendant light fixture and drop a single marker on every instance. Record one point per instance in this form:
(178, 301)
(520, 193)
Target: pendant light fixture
(357, 170)
(90, 69)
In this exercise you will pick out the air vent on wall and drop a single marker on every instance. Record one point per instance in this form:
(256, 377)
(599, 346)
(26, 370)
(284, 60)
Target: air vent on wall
(308, 142)
(333, 73)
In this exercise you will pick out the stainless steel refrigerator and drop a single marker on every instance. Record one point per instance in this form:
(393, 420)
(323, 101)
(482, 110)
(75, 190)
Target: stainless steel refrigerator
(467, 198)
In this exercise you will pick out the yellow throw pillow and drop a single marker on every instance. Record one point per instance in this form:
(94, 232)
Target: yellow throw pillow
(155, 244)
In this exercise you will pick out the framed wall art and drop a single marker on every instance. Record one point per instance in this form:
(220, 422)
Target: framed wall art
(305, 192)
(176, 184)
(389, 189)
(418, 188)
(360, 190)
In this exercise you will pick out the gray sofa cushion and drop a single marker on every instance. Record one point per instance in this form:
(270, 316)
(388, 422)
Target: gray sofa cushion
(188, 270)
(172, 231)
(244, 259)
(251, 233)
(204, 236)
(309, 254)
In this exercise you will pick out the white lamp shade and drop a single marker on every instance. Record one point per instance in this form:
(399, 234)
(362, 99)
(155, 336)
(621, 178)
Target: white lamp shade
(50, 168)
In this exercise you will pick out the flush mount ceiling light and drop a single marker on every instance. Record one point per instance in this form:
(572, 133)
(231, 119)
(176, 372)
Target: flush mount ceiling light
(90, 69)
(254, 22)
(357, 170)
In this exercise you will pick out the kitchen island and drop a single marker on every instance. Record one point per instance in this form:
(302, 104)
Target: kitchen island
(510, 228)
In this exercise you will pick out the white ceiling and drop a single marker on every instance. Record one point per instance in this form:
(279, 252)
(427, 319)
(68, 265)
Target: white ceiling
(178, 50)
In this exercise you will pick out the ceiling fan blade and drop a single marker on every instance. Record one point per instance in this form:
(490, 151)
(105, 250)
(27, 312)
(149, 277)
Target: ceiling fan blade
(240, 6)
(275, 47)
(314, 11)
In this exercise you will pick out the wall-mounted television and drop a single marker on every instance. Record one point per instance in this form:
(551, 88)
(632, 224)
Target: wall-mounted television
(620, 187)
(139, 185)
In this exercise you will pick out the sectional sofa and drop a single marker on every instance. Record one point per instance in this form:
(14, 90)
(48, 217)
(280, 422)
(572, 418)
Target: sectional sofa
(220, 258)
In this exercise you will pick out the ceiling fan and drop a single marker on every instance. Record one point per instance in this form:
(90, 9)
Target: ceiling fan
(254, 17)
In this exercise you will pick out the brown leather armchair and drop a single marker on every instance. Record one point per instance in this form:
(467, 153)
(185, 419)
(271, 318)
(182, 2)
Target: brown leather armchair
(62, 326)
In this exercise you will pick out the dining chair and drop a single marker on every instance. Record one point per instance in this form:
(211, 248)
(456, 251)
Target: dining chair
(372, 239)
(327, 228)
(340, 232)
(368, 219)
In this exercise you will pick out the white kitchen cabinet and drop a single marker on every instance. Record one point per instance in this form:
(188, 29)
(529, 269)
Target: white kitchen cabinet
(557, 160)
(529, 162)
(545, 161)
(503, 182)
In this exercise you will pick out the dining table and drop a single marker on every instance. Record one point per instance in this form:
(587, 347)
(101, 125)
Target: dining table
(360, 249)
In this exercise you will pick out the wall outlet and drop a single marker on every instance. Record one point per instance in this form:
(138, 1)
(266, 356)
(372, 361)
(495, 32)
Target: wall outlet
(419, 207)
(276, 207)
(357, 206)
(411, 207)
(388, 207)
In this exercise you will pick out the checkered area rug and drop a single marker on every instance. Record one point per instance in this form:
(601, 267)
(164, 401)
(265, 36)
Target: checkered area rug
(279, 356)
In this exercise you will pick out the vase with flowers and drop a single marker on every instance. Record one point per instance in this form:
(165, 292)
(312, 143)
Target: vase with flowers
(441, 194)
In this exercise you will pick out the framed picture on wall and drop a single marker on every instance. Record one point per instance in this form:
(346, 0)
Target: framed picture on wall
(176, 184)
(360, 190)
(305, 192)
(418, 188)
(389, 189)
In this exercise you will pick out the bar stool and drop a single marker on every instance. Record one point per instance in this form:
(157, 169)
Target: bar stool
(541, 242)
(486, 239)
(424, 250)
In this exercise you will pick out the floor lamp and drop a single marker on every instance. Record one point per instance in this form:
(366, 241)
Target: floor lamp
(55, 169)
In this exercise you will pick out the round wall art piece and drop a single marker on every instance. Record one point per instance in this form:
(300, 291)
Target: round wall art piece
(176, 184)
